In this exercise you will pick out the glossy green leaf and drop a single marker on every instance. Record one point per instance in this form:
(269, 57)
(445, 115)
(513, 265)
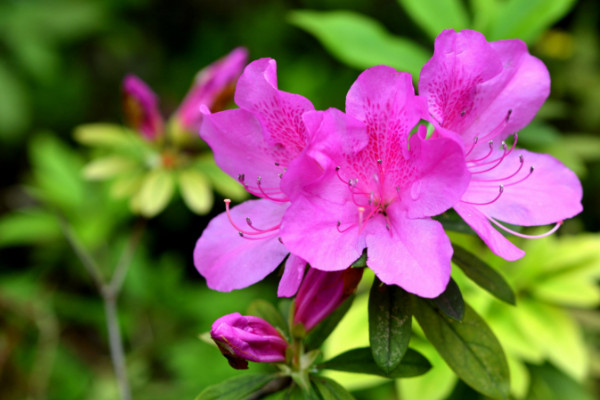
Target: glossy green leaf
(26, 227)
(469, 347)
(361, 361)
(318, 334)
(550, 384)
(361, 42)
(196, 190)
(104, 135)
(267, 311)
(482, 274)
(390, 319)
(436, 15)
(108, 167)
(526, 19)
(451, 221)
(155, 193)
(237, 388)
(329, 389)
(451, 302)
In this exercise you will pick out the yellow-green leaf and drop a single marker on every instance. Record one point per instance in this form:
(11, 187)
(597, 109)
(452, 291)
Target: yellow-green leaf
(104, 135)
(155, 193)
(108, 167)
(196, 191)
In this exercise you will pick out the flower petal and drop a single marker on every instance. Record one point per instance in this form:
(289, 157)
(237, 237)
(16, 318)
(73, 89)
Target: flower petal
(292, 276)
(310, 230)
(229, 261)
(413, 254)
(237, 141)
(279, 112)
(442, 176)
(549, 194)
(499, 245)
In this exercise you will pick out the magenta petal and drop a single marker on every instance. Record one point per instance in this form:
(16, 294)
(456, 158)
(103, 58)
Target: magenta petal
(499, 245)
(213, 86)
(237, 141)
(141, 107)
(310, 230)
(279, 112)
(549, 194)
(292, 276)
(443, 176)
(414, 254)
(229, 261)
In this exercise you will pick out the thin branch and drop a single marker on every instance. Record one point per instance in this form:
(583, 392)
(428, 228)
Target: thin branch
(117, 353)
(116, 283)
(85, 257)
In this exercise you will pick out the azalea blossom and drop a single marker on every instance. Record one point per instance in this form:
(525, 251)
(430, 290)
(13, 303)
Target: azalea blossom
(212, 88)
(247, 338)
(254, 144)
(483, 93)
(366, 182)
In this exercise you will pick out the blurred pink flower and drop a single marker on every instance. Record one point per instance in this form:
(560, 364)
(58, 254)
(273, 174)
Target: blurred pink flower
(140, 105)
(247, 338)
(482, 93)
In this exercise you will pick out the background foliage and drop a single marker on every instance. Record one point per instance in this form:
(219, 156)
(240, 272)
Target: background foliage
(61, 64)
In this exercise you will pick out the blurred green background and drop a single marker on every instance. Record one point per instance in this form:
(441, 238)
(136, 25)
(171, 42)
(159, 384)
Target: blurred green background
(61, 65)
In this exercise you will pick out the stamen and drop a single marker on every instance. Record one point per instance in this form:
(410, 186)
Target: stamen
(361, 212)
(280, 240)
(491, 145)
(522, 179)
(497, 162)
(243, 232)
(521, 162)
(506, 229)
(500, 191)
(339, 223)
(475, 140)
(494, 132)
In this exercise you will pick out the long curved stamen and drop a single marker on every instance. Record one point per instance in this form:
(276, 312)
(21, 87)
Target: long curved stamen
(267, 195)
(521, 162)
(491, 144)
(496, 162)
(504, 228)
(500, 191)
(531, 169)
(494, 132)
(244, 232)
(339, 223)
(475, 140)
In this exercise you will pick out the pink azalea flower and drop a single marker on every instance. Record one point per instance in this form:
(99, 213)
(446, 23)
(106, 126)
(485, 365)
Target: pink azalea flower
(483, 93)
(213, 87)
(247, 338)
(366, 182)
(322, 292)
(141, 107)
(254, 144)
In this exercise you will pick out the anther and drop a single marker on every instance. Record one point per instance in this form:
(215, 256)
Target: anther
(279, 238)
(379, 161)
(277, 164)
(508, 115)
(241, 178)
(248, 221)
(338, 168)
(462, 113)
(258, 179)
(500, 191)
(241, 234)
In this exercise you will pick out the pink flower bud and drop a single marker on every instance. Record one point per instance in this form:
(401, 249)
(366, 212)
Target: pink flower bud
(213, 87)
(247, 338)
(140, 105)
(322, 292)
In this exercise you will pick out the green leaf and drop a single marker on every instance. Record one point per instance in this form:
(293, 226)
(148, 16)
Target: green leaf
(108, 167)
(267, 311)
(469, 347)
(389, 324)
(361, 42)
(329, 389)
(196, 191)
(319, 333)
(236, 388)
(451, 302)
(436, 15)
(361, 262)
(361, 361)
(526, 19)
(550, 384)
(451, 221)
(15, 109)
(105, 135)
(482, 274)
(25, 227)
(155, 193)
